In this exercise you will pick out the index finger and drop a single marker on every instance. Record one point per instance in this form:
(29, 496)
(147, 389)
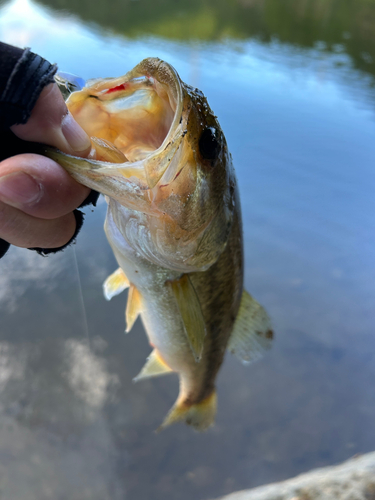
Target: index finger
(51, 123)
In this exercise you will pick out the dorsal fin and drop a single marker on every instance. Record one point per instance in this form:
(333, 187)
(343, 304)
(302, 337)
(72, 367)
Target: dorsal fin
(252, 331)
(116, 283)
(191, 313)
(154, 367)
(133, 307)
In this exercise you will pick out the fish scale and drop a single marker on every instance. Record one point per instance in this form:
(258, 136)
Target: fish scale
(174, 224)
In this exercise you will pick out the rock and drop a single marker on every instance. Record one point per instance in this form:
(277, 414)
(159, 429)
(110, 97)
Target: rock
(352, 480)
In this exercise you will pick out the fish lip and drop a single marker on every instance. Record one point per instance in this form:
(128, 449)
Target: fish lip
(153, 164)
(179, 98)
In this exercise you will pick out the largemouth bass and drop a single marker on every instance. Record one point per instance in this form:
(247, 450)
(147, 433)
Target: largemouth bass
(174, 224)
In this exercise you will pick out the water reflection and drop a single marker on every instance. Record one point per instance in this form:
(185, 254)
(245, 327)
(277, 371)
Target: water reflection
(59, 385)
(299, 120)
(55, 441)
(25, 270)
(86, 373)
(333, 27)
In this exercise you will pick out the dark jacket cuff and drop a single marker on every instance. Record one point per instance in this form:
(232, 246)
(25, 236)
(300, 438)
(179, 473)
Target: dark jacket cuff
(23, 75)
(79, 216)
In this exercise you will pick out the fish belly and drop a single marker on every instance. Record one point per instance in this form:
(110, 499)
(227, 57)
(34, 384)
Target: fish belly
(159, 312)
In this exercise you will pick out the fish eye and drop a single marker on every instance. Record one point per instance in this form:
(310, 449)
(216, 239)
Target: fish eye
(209, 145)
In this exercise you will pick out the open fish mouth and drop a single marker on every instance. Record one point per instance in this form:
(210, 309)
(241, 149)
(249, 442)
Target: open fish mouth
(135, 123)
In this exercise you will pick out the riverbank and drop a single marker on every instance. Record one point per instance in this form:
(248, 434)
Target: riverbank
(353, 479)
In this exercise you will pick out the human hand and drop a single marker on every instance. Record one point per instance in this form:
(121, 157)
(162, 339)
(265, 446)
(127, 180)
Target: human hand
(37, 196)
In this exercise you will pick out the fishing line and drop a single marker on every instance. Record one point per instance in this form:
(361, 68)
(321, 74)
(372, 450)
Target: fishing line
(83, 307)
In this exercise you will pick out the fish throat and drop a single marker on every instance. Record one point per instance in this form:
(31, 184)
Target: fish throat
(135, 119)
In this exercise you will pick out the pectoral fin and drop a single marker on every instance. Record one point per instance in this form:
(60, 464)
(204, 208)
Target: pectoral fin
(133, 307)
(116, 283)
(191, 313)
(252, 332)
(154, 367)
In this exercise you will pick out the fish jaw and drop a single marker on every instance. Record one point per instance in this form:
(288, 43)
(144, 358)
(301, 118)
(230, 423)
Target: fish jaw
(122, 183)
(98, 109)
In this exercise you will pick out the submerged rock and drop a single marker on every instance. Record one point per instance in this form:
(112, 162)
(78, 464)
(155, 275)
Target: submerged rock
(352, 480)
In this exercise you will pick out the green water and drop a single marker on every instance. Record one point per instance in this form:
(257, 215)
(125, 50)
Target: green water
(292, 83)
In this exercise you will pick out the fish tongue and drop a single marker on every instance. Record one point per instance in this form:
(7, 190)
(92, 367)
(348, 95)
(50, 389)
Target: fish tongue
(103, 150)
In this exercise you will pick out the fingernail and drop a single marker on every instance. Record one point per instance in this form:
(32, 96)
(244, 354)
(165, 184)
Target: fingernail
(75, 135)
(19, 189)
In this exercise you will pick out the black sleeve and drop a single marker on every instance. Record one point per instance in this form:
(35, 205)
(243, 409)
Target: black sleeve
(23, 76)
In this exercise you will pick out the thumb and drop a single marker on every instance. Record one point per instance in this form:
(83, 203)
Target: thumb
(51, 123)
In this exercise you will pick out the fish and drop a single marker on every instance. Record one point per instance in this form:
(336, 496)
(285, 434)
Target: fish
(174, 224)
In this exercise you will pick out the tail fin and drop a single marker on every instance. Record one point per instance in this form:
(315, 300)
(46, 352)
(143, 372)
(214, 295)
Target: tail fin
(200, 416)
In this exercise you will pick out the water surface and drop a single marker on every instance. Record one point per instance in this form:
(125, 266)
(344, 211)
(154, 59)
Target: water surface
(294, 92)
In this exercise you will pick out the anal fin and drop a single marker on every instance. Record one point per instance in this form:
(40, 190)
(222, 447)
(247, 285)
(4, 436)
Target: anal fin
(154, 367)
(191, 313)
(252, 332)
(116, 283)
(133, 307)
